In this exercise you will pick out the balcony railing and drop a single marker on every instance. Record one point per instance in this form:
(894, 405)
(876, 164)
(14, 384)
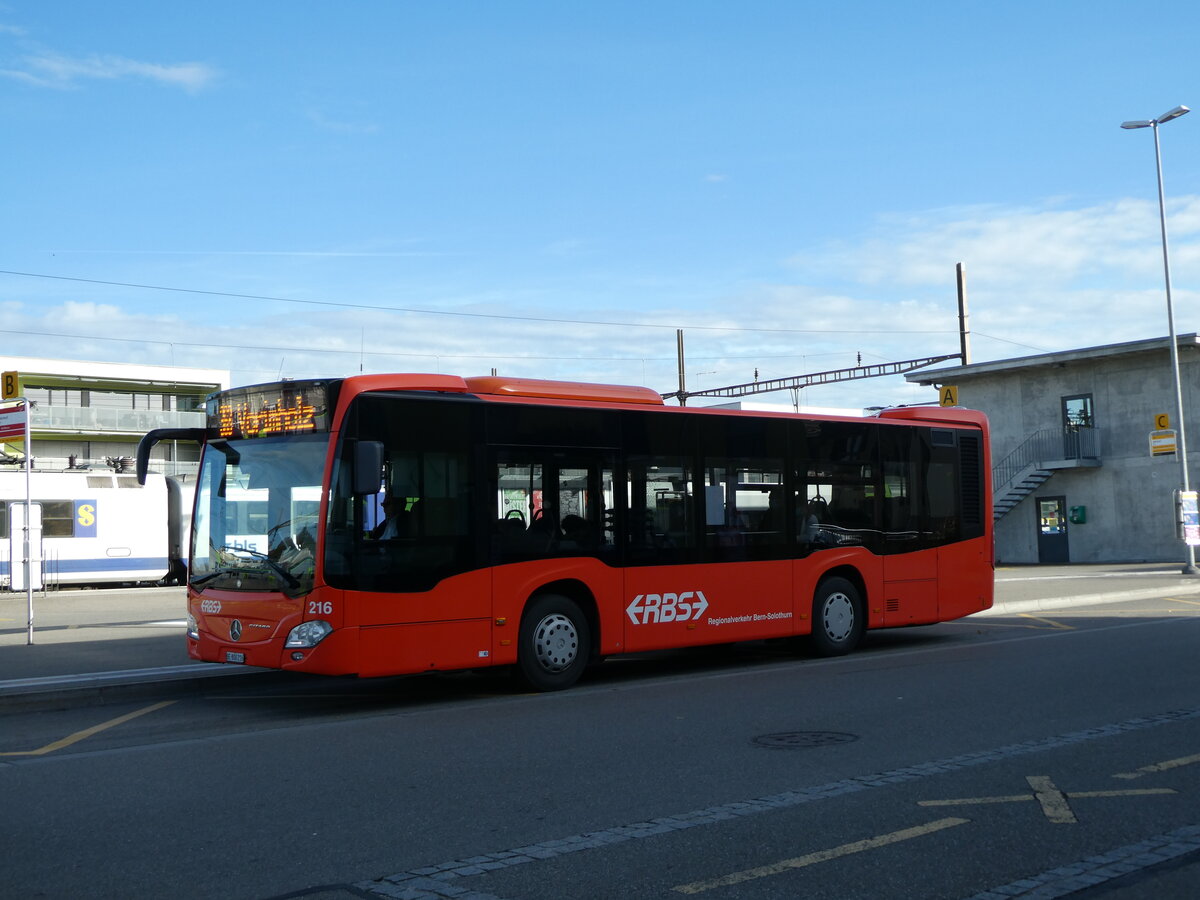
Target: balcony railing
(1047, 445)
(108, 420)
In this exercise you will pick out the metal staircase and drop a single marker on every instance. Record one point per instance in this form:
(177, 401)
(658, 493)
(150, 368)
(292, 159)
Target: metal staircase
(1036, 460)
(1025, 483)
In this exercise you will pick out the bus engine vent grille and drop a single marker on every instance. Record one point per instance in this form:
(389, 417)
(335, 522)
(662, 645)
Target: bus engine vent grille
(972, 480)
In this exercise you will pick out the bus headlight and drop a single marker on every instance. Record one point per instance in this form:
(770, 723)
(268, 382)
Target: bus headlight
(193, 631)
(308, 634)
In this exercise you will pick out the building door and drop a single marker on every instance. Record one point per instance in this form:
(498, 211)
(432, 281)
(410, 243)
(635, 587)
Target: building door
(1052, 530)
(1079, 418)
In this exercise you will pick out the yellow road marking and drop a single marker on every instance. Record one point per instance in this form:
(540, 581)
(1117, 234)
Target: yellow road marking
(799, 862)
(1058, 626)
(1053, 801)
(88, 732)
(1160, 767)
(1144, 792)
(1053, 626)
(973, 801)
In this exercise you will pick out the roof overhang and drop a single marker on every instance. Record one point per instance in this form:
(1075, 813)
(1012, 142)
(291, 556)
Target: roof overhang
(1057, 359)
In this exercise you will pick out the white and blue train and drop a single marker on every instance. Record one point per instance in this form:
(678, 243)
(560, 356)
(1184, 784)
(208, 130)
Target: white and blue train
(97, 527)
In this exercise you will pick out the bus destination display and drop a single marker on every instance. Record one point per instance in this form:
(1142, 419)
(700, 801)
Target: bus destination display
(269, 411)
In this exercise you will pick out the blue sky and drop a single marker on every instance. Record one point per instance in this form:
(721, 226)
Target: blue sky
(551, 189)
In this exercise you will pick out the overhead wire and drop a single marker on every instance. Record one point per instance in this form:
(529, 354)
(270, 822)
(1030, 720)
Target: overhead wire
(474, 315)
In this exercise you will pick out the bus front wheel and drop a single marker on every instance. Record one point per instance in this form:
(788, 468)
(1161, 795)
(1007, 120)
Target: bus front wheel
(554, 644)
(839, 619)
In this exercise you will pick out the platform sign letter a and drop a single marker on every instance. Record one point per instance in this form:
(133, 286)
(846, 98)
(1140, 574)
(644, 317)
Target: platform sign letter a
(948, 395)
(12, 385)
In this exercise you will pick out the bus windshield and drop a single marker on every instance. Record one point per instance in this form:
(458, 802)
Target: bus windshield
(257, 507)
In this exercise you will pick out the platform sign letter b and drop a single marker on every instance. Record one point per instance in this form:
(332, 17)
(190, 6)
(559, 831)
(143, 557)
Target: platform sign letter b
(12, 385)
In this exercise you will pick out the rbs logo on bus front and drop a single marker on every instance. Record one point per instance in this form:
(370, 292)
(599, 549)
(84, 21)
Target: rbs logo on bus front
(647, 608)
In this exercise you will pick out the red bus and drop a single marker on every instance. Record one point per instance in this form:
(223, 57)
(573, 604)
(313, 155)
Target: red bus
(389, 524)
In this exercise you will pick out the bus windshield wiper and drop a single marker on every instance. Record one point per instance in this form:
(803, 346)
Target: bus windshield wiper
(216, 573)
(288, 578)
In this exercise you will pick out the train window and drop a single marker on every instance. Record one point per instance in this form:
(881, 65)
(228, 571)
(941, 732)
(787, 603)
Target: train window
(58, 518)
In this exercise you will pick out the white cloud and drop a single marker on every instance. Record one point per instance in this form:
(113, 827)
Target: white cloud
(1016, 247)
(56, 71)
(1038, 279)
(341, 124)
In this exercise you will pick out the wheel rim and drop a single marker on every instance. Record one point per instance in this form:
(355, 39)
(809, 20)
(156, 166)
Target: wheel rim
(555, 642)
(838, 616)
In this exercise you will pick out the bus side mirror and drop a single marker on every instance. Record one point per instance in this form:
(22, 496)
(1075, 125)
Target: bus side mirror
(368, 467)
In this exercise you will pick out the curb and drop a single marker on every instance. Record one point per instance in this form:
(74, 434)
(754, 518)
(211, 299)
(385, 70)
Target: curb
(61, 691)
(1009, 607)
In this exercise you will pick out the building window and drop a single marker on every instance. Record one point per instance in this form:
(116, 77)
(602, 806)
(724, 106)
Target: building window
(55, 396)
(1077, 412)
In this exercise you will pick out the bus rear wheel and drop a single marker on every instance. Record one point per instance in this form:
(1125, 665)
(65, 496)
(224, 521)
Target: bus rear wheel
(554, 644)
(839, 619)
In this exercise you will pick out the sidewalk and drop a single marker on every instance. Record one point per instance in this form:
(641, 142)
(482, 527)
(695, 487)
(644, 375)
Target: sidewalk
(95, 643)
(92, 643)
(1028, 589)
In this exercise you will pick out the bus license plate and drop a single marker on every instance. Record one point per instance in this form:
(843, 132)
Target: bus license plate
(231, 657)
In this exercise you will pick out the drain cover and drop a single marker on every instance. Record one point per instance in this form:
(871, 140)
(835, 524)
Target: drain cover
(800, 740)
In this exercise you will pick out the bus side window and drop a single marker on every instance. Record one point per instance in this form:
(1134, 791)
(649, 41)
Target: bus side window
(660, 491)
(553, 506)
(903, 457)
(839, 487)
(743, 508)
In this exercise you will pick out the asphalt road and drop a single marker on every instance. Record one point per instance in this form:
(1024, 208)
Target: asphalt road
(1045, 751)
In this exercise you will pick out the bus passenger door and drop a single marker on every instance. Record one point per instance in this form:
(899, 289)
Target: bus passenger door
(662, 598)
(552, 519)
(910, 561)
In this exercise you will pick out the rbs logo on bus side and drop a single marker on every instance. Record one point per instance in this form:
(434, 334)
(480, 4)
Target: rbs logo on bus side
(646, 608)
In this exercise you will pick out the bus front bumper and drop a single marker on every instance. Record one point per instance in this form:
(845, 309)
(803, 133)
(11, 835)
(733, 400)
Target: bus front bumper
(332, 656)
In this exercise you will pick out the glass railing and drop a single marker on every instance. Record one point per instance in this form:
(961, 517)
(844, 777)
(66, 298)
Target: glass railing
(101, 420)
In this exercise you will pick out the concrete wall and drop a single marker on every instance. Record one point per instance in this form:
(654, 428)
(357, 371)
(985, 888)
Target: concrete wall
(1129, 498)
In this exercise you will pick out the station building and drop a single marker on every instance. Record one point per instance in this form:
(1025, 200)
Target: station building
(1082, 465)
(91, 415)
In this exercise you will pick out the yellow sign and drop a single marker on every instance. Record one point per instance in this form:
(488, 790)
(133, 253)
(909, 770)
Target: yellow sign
(12, 385)
(1162, 422)
(1162, 443)
(948, 395)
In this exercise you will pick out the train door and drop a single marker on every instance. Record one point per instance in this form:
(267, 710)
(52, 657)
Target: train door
(25, 542)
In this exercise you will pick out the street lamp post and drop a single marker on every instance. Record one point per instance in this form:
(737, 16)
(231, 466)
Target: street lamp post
(1181, 443)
